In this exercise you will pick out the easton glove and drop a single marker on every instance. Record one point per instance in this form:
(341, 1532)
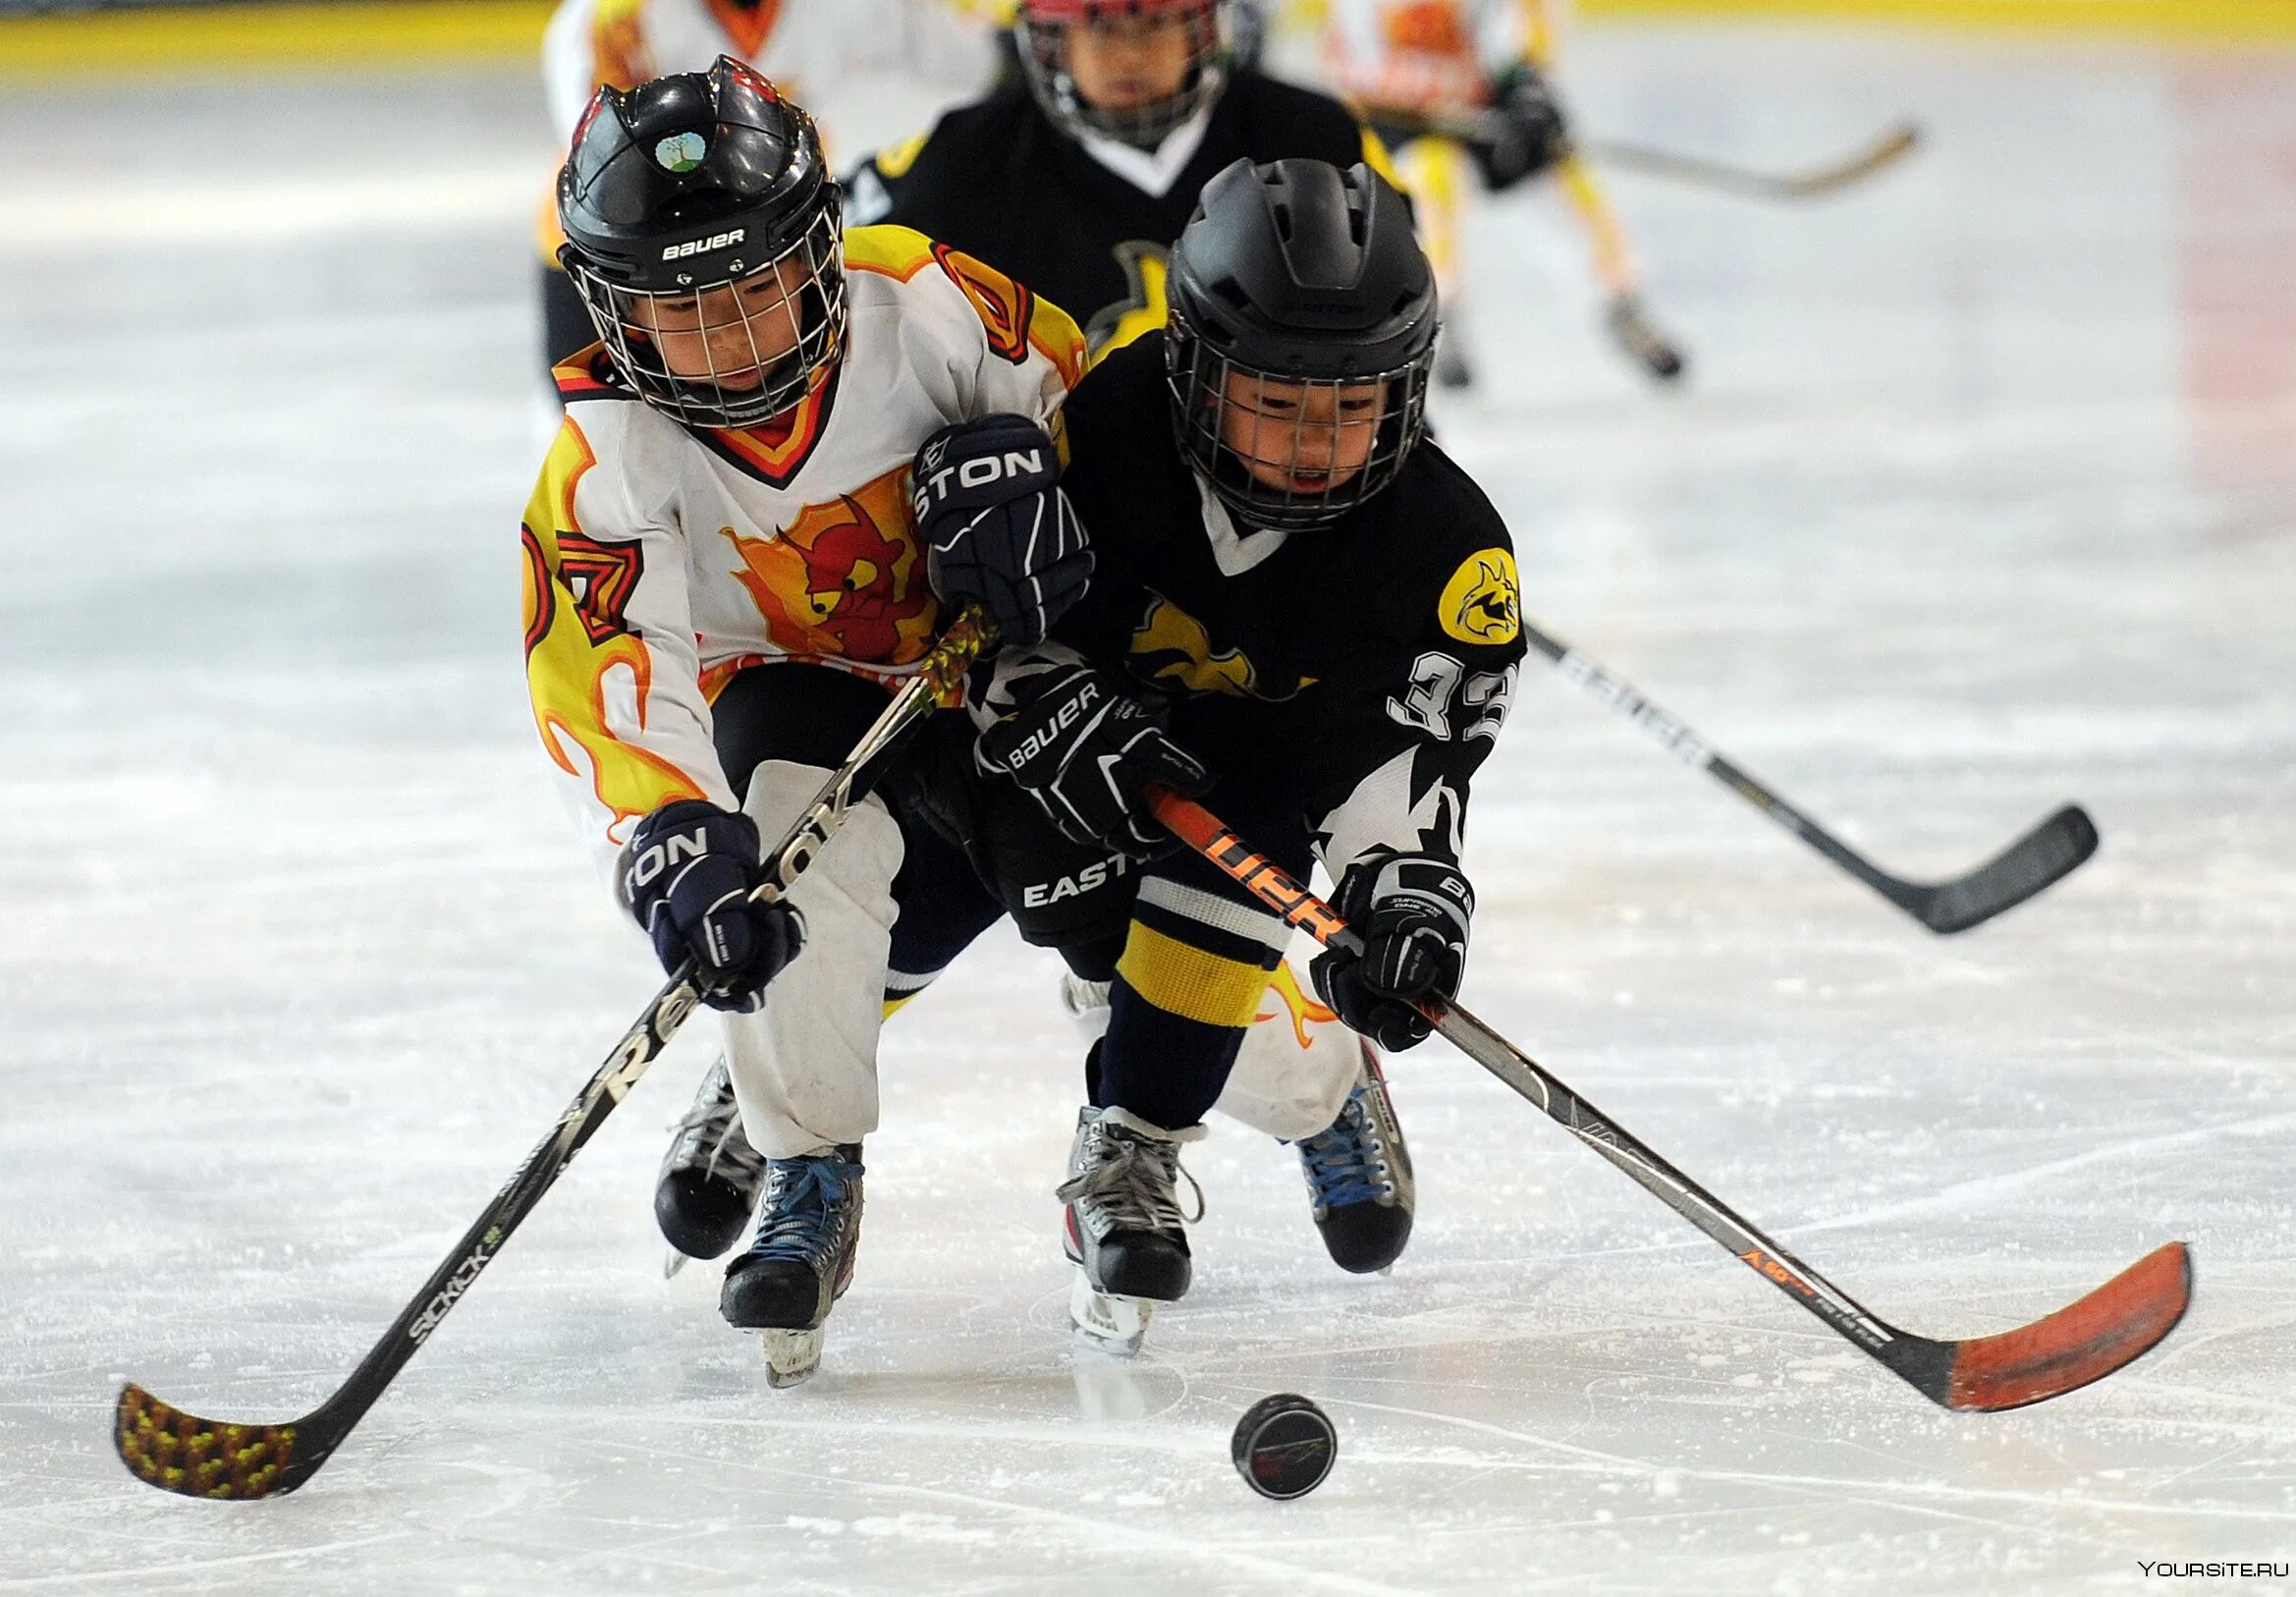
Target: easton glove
(1085, 751)
(1411, 911)
(686, 877)
(997, 529)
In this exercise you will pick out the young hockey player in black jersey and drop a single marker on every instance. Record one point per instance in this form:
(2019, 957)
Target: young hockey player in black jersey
(1076, 179)
(1299, 599)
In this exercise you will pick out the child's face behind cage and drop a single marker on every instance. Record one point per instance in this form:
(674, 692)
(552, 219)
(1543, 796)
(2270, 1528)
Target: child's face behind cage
(1123, 62)
(730, 335)
(1309, 439)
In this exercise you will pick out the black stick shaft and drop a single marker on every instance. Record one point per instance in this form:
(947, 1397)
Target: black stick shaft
(1685, 744)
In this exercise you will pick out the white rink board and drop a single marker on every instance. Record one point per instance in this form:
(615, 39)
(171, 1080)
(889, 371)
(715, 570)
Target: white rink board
(1975, 506)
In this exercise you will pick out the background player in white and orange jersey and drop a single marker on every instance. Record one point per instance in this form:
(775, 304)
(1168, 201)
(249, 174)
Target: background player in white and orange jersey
(724, 575)
(1461, 87)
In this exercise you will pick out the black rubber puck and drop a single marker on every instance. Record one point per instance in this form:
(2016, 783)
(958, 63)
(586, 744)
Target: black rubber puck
(1284, 1445)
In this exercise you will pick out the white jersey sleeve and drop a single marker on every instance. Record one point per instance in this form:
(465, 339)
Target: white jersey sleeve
(612, 662)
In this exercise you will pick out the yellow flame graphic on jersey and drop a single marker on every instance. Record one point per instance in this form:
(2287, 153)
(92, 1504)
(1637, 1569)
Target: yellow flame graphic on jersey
(1171, 646)
(1141, 310)
(1304, 1011)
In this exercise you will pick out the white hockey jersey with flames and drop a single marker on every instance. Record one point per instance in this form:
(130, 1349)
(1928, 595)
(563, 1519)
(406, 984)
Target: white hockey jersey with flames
(662, 559)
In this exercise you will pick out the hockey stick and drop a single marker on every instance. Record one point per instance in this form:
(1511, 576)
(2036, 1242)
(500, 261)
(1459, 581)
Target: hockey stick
(179, 1452)
(1884, 150)
(2084, 1342)
(2050, 851)
(1879, 153)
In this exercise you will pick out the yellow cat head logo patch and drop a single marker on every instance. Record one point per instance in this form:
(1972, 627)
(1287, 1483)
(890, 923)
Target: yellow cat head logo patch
(1482, 602)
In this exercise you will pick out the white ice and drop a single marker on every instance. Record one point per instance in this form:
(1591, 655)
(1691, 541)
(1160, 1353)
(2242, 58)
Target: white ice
(1983, 497)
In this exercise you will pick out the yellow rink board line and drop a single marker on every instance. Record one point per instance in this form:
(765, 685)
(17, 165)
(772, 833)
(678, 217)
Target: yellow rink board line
(2261, 21)
(189, 37)
(383, 33)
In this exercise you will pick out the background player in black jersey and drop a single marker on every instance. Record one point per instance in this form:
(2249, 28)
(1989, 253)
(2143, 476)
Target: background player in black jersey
(1298, 598)
(1076, 177)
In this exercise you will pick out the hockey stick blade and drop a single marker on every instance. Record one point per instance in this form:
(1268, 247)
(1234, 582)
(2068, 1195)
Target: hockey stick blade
(2047, 855)
(181, 1453)
(2085, 1341)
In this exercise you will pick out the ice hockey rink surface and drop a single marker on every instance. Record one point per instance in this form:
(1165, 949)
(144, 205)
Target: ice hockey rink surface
(1983, 498)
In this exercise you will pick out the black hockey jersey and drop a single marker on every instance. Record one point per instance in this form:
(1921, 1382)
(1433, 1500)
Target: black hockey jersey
(1364, 669)
(999, 180)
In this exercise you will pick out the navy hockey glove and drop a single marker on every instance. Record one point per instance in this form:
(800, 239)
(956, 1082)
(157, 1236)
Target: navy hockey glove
(1411, 911)
(1085, 751)
(1531, 133)
(998, 532)
(687, 876)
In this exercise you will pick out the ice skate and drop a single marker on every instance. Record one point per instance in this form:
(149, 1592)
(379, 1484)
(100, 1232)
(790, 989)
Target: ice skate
(1630, 328)
(1124, 1230)
(710, 1177)
(1359, 1177)
(801, 1259)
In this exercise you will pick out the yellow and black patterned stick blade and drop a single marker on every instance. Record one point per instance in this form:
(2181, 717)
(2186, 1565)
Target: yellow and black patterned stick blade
(184, 1453)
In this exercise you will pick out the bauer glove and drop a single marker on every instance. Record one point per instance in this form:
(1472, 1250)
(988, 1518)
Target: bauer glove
(1411, 911)
(686, 877)
(997, 529)
(1086, 752)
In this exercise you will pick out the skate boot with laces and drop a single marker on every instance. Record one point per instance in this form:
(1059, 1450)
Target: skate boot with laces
(710, 1177)
(1125, 1230)
(801, 1260)
(1359, 1177)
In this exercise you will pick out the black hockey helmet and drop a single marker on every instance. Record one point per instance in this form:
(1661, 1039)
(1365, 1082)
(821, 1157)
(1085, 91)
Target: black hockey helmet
(1043, 30)
(705, 235)
(1301, 328)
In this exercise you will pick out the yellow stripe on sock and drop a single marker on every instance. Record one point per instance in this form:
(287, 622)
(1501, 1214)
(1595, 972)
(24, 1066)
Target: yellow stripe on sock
(2234, 20)
(1190, 982)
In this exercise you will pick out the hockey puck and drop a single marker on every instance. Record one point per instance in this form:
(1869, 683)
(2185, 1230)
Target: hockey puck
(1284, 1445)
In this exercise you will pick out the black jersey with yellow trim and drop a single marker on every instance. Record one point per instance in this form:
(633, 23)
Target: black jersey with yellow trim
(1366, 665)
(998, 179)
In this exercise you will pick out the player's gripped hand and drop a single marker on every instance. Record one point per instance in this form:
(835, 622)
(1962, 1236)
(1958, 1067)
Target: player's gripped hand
(1413, 913)
(686, 877)
(997, 529)
(1087, 751)
(1532, 135)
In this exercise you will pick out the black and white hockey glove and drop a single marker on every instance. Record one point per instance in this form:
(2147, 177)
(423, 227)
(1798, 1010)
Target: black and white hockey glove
(1411, 911)
(1084, 751)
(686, 876)
(997, 529)
(1531, 133)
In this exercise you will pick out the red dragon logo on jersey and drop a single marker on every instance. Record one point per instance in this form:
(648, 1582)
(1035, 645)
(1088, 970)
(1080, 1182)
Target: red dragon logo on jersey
(837, 583)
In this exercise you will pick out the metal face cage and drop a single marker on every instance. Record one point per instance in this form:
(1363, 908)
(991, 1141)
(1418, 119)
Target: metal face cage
(1043, 30)
(1283, 451)
(742, 347)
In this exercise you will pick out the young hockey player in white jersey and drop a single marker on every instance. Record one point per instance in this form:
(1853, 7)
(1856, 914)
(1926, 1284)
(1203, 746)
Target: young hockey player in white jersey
(805, 47)
(1461, 87)
(723, 577)
(1125, 107)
